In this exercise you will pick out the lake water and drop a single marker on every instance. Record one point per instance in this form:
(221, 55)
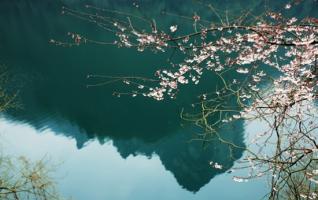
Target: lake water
(109, 147)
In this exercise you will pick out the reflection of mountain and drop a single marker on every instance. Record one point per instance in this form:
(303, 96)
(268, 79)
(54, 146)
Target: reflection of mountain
(54, 95)
(188, 161)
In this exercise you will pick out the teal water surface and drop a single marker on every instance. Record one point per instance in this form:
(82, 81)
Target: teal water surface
(111, 148)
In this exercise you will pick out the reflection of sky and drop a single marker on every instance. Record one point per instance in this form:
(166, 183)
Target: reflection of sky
(99, 172)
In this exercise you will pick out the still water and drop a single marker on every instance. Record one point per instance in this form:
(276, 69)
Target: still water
(109, 147)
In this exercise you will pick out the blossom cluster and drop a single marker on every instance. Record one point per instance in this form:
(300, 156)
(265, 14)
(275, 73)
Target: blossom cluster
(268, 69)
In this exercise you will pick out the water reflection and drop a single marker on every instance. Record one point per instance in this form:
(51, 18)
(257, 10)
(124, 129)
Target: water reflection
(187, 161)
(99, 172)
(54, 95)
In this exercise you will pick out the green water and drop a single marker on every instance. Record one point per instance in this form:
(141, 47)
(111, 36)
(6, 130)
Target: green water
(111, 148)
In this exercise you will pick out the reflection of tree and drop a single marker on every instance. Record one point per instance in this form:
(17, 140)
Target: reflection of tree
(20, 178)
(301, 185)
(23, 179)
(7, 98)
